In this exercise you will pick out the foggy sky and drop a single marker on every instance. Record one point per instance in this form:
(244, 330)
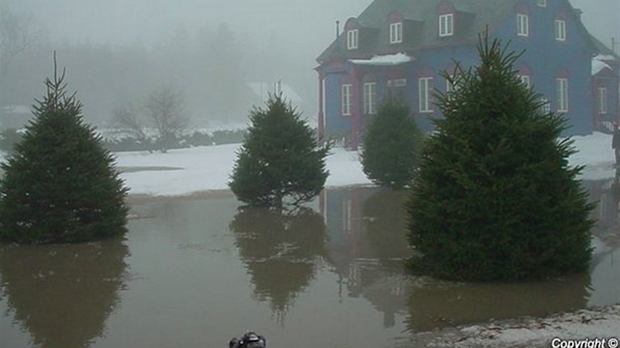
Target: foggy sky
(304, 25)
(278, 38)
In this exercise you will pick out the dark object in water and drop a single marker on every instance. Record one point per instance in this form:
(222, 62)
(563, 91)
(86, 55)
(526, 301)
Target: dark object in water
(248, 340)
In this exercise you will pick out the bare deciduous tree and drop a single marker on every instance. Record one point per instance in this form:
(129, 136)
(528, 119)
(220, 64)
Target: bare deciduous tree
(127, 120)
(165, 108)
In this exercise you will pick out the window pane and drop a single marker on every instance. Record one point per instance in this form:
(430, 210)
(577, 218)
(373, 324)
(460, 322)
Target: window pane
(522, 25)
(560, 30)
(424, 86)
(369, 98)
(346, 100)
(562, 94)
(602, 100)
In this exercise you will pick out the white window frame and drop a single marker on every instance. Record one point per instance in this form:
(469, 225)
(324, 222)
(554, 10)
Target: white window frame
(346, 99)
(602, 100)
(546, 106)
(541, 3)
(396, 32)
(370, 98)
(352, 39)
(446, 25)
(452, 87)
(523, 25)
(526, 80)
(560, 30)
(562, 94)
(425, 85)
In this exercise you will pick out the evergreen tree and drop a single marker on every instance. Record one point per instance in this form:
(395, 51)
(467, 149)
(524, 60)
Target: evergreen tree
(391, 145)
(280, 157)
(60, 184)
(494, 197)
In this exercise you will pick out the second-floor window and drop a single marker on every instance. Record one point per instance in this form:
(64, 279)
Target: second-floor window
(602, 100)
(352, 39)
(560, 30)
(541, 3)
(346, 102)
(370, 98)
(523, 25)
(396, 32)
(446, 24)
(425, 85)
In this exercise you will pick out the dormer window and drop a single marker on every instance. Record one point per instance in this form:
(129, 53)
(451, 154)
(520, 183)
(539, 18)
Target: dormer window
(523, 25)
(560, 30)
(541, 3)
(446, 25)
(352, 39)
(396, 32)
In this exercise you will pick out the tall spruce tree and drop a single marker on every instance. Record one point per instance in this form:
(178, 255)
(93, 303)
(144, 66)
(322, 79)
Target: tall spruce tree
(494, 197)
(280, 157)
(60, 184)
(391, 145)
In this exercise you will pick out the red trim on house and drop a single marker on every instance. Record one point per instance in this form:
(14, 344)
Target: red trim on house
(355, 113)
(394, 17)
(523, 9)
(321, 115)
(525, 70)
(445, 7)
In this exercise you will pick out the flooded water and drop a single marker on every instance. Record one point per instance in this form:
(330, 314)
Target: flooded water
(195, 273)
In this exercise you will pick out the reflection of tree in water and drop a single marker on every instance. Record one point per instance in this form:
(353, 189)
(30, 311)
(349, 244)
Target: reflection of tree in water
(63, 294)
(385, 225)
(385, 232)
(281, 251)
(434, 304)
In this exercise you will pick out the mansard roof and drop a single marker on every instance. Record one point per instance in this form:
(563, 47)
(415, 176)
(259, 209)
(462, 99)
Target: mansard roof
(476, 15)
(420, 25)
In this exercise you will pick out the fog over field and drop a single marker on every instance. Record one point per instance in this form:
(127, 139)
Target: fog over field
(117, 51)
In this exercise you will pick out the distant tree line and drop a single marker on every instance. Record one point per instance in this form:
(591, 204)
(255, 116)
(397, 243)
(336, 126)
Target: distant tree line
(212, 64)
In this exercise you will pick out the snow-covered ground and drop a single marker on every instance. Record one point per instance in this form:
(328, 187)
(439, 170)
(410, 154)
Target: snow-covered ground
(209, 167)
(553, 331)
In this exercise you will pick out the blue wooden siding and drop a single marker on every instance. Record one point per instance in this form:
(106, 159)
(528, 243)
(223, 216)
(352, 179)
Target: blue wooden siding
(544, 58)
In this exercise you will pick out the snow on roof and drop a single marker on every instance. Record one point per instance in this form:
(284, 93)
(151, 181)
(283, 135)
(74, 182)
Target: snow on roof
(598, 66)
(604, 57)
(389, 59)
(262, 90)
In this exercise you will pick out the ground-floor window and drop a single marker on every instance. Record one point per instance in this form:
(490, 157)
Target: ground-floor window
(562, 94)
(602, 100)
(425, 85)
(346, 103)
(525, 79)
(370, 98)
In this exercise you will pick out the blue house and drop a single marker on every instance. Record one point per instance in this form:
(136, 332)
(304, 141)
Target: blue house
(400, 47)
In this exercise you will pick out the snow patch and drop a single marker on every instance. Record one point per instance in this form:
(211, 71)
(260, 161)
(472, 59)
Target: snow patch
(532, 332)
(389, 59)
(208, 168)
(598, 66)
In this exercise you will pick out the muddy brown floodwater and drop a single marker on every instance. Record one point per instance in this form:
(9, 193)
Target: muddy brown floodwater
(196, 272)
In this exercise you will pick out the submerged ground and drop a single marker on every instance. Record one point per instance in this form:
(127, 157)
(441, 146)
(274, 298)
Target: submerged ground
(192, 271)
